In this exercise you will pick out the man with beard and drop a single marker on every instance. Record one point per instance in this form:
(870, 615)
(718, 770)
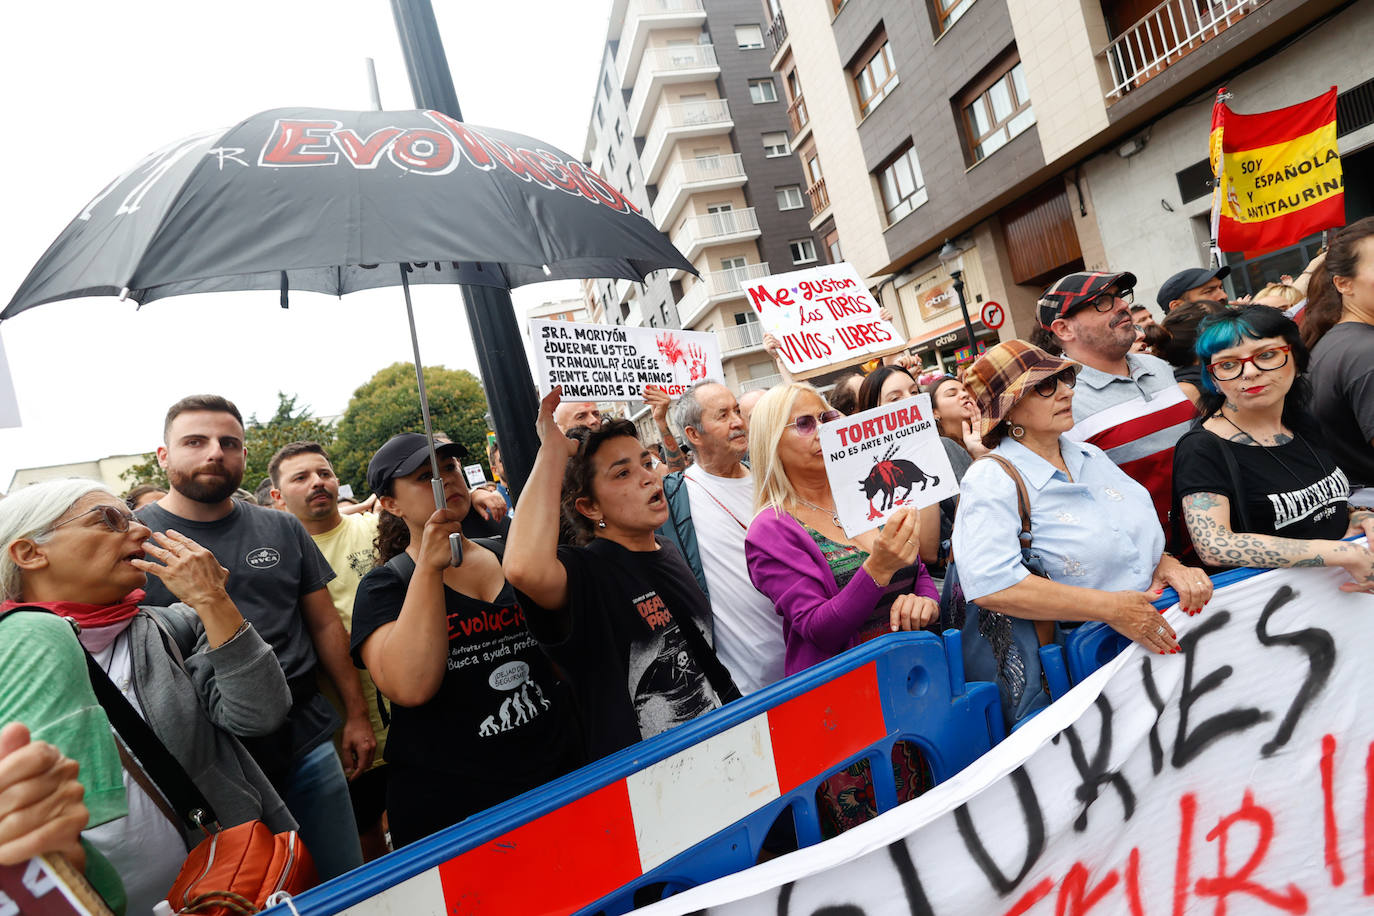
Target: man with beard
(277, 578)
(1127, 404)
(304, 484)
(710, 506)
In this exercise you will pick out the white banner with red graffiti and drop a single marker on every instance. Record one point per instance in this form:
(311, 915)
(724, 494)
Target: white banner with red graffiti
(882, 459)
(599, 362)
(1236, 777)
(823, 318)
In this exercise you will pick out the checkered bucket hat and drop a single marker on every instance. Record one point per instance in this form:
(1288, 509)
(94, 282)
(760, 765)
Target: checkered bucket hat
(1005, 374)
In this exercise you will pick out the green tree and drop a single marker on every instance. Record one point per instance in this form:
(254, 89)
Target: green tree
(288, 424)
(389, 403)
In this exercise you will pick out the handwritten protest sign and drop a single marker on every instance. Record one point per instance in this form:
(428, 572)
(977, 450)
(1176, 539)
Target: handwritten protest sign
(1235, 777)
(823, 318)
(885, 458)
(597, 362)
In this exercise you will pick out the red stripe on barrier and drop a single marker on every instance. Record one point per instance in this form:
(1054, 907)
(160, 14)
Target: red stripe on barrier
(814, 731)
(563, 861)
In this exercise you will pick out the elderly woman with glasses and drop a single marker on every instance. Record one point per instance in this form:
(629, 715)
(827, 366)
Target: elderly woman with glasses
(1093, 528)
(1257, 485)
(75, 559)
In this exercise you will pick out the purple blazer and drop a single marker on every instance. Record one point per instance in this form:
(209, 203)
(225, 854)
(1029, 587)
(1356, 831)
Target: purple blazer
(819, 619)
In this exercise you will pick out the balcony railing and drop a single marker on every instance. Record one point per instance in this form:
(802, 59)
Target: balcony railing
(693, 118)
(737, 338)
(819, 198)
(762, 382)
(714, 228)
(676, 63)
(644, 16)
(1165, 35)
(777, 32)
(796, 112)
(714, 286)
(687, 174)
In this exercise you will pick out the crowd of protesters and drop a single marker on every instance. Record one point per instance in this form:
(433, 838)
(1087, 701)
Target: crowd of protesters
(329, 667)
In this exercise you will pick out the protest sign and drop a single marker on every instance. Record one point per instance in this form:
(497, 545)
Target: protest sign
(475, 475)
(885, 458)
(823, 318)
(47, 886)
(1234, 777)
(597, 362)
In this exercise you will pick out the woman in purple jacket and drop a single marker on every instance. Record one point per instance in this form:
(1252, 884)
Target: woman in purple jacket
(832, 592)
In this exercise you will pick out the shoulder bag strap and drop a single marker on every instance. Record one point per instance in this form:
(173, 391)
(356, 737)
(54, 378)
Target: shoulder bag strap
(1022, 498)
(1242, 514)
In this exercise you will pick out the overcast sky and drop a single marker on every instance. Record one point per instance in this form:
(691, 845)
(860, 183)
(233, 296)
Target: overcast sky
(92, 86)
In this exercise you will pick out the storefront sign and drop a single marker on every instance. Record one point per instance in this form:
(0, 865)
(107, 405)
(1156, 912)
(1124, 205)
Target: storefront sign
(823, 319)
(597, 362)
(936, 301)
(883, 459)
(945, 340)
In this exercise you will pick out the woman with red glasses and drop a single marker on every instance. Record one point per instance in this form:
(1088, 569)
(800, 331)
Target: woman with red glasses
(832, 591)
(1255, 483)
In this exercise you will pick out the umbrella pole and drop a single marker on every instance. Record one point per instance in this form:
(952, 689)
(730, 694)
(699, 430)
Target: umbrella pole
(436, 482)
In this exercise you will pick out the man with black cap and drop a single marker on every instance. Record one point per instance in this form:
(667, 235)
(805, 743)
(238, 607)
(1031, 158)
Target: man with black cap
(1127, 404)
(1193, 285)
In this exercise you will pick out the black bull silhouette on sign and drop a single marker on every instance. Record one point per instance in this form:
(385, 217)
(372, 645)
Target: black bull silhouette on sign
(888, 476)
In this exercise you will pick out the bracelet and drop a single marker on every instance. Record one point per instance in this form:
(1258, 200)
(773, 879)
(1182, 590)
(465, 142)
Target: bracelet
(237, 633)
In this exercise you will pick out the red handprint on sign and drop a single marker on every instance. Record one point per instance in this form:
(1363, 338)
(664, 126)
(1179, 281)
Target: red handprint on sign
(670, 348)
(697, 363)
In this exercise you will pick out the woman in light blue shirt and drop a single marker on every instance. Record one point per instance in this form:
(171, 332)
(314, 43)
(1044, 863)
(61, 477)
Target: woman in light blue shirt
(1094, 529)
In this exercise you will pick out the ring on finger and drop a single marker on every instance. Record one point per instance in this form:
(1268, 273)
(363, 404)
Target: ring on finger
(1159, 630)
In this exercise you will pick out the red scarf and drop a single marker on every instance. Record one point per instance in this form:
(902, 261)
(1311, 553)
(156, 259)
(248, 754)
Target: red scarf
(87, 615)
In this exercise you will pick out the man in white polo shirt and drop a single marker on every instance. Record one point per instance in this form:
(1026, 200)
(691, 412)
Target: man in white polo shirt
(1127, 404)
(710, 506)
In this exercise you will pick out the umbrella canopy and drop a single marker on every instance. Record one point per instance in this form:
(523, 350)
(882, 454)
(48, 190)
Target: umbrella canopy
(325, 200)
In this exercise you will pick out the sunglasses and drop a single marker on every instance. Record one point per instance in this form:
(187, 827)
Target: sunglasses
(1266, 360)
(806, 425)
(1046, 387)
(116, 519)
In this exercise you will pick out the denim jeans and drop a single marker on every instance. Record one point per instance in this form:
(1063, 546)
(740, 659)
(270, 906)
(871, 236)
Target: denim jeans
(317, 794)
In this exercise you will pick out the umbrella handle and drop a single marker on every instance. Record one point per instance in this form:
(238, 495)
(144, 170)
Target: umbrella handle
(455, 540)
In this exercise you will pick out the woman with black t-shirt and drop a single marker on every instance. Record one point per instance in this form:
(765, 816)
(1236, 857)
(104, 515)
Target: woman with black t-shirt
(1256, 487)
(477, 714)
(620, 613)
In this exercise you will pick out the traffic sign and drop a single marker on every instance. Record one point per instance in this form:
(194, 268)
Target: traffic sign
(992, 315)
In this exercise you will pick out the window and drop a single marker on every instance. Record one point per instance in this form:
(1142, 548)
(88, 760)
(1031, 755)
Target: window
(949, 11)
(875, 75)
(619, 133)
(902, 185)
(735, 263)
(832, 246)
(762, 91)
(775, 144)
(610, 157)
(749, 37)
(790, 197)
(1000, 111)
(600, 118)
(629, 178)
(606, 84)
(803, 250)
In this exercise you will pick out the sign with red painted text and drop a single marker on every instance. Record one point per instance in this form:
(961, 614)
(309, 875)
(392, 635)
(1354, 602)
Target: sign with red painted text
(600, 362)
(883, 459)
(823, 319)
(1235, 777)
(47, 886)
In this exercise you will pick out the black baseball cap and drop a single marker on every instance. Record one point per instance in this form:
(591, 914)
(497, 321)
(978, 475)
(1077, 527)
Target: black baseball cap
(1076, 290)
(1184, 280)
(402, 455)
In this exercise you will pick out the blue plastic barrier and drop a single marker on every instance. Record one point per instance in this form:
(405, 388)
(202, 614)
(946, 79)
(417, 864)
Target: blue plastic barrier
(920, 697)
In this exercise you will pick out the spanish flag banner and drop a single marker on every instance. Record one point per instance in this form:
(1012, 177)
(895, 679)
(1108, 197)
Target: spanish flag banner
(1278, 175)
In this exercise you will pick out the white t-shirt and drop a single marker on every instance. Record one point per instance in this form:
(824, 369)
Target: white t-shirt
(748, 629)
(144, 848)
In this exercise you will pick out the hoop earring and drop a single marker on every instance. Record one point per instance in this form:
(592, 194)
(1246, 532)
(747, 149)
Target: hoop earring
(1017, 432)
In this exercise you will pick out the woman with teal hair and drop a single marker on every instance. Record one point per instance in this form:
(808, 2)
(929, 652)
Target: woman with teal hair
(1255, 485)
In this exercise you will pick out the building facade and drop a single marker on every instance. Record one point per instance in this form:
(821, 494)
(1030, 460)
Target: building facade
(689, 122)
(1038, 137)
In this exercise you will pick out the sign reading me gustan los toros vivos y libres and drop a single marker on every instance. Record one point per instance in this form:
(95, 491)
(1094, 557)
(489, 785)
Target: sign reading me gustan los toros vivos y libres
(823, 318)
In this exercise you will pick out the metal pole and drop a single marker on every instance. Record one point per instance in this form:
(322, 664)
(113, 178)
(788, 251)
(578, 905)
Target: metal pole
(958, 277)
(501, 360)
(372, 84)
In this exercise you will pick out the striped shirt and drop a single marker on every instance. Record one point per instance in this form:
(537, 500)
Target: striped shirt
(1136, 420)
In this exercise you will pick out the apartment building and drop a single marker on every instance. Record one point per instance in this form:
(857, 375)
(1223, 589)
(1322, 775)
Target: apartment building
(689, 122)
(1037, 137)
(560, 310)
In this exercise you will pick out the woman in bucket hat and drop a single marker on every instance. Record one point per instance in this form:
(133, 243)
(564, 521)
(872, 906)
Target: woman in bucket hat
(1098, 549)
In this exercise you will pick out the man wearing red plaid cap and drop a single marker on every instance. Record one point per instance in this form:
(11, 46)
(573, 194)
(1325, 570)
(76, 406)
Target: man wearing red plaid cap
(1127, 404)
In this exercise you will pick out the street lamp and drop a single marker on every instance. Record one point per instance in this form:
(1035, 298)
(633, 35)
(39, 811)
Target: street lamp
(952, 257)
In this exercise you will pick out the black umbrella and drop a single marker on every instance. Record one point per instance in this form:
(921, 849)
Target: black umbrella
(338, 201)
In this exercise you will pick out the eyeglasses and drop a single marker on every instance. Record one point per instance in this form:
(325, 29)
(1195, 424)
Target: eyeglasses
(806, 425)
(1105, 302)
(1266, 360)
(1047, 387)
(116, 519)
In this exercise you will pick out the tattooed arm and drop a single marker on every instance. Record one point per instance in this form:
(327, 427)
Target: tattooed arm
(1208, 517)
(1362, 522)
